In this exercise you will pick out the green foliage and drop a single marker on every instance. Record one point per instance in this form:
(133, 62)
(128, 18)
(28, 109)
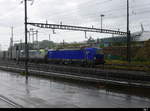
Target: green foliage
(108, 61)
(23, 73)
(144, 53)
(112, 57)
(46, 44)
(116, 62)
(131, 68)
(70, 45)
(124, 65)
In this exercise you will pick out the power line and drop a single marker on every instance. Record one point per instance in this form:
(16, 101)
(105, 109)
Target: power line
(69, 14)
(95, 3)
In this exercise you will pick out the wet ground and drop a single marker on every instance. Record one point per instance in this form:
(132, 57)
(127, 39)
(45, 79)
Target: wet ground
(50, 93)
(3, 104)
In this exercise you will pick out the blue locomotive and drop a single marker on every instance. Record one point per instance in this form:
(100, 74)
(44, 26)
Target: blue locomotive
(86, 56)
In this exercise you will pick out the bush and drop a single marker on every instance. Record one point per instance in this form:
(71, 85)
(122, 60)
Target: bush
(144, 53)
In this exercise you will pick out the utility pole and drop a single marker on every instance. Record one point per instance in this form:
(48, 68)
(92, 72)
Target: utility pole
(50, 40)
(102, 15)
(49, 37)
(34, 33)
(29, 36)
(20, 42)
(33, 39)
(128, 36)
(46, 22)
(26, 42)
(85, 34)
(37, 39)
(11, 41)
(63, 43)
(21, 48)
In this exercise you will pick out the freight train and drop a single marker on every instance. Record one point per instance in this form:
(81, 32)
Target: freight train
(84, 56)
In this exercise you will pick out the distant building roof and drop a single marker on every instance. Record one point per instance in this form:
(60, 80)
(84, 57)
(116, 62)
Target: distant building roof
(137, 36)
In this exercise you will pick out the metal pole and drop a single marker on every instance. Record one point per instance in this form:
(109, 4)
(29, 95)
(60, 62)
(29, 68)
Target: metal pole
(128, 36)
(20, 48)
(32, 37)
(49, 37)
(50, 40)
(26, 42)
(12, 34)
(102, 21)
(29, 37)
(85, 34)
(37, 39)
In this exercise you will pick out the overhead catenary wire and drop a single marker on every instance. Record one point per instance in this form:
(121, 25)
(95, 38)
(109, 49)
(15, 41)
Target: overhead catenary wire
(115, 14)
(111, 17)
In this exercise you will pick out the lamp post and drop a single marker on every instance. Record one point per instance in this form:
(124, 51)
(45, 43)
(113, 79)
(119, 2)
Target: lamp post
(102, 15)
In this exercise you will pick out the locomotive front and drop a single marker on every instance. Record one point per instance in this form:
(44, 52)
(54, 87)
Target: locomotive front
(99, 57)
(95, 55)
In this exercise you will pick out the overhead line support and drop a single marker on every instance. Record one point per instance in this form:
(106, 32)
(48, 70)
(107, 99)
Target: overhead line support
(76, 28)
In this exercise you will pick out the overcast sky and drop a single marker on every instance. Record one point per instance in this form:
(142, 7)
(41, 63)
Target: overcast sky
(71, 12)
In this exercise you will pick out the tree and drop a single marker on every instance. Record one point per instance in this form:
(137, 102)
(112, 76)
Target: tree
(144, 52)
(46, 44)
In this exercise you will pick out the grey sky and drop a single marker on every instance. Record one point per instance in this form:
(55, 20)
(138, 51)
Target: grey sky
(71, 12)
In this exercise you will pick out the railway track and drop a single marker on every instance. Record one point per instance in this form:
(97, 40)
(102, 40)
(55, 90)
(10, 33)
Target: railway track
(131, 78)
(10, 102)
(106, 66)
(86, 72)
(53, 66)
(136, 65)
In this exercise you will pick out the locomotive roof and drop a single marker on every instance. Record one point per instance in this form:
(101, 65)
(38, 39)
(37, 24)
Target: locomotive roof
(62, 49)
(73, 49)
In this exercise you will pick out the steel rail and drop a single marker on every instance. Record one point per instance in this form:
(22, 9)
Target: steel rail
(10, 102)
(113, 74)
